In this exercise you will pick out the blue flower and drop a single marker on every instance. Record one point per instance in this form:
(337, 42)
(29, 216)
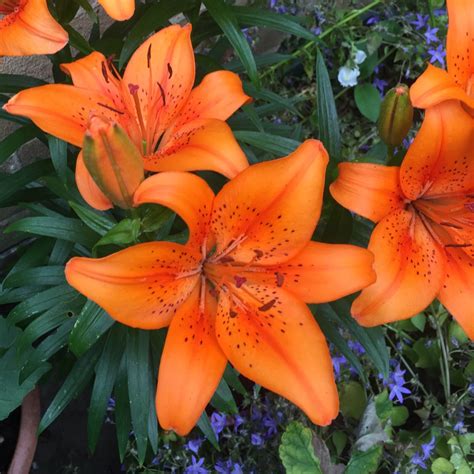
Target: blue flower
(418, 459)
(194, 445)
(271, 425)
(396, 385)
(430, 35)
(459, 427)
(196, 467)
(218, 422)
(356, 346)
(372, 20)
(228, 467)
(420, 22)
(238, 420)
(338, 362)
(438, 55)
(256, 439)
(154, 461)
(110, 404)
(380, 84)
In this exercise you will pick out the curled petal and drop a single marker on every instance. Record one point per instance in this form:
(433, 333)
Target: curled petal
(119, 10)
(31, 29)
(272, 338)
(370, 190)
(410, 268)
(184, 193)
(268, 213)
(204, 144)
(88, 189)
(440, 160)
(45, 106)
(141, 286)
(191, 365)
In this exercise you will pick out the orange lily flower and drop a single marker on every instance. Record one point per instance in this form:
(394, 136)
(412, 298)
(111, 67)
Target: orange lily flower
(436, 85)
(424, 240)
(236, 290)
(175, 126)
(119, 10)
(27, 27)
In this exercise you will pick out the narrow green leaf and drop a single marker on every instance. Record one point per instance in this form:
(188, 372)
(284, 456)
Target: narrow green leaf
(251, 16)
(13, 83)
(269, 96)
(76, 40)
(138, 369)
(279, 146)
(223, 400)
(262, 60)
(91, 323)
(231, 376)
(39, 276)
(58, 152)
(36, 254)
(75, 382)
(61, 252)
(98, 222)
(106, 373)
(42, 301)
(123, 419)
(368, 101)
(15, 140)
(17, 295)
(328, 122)
(64, 228)
(227, 21)
(205, 426)
(123, 233)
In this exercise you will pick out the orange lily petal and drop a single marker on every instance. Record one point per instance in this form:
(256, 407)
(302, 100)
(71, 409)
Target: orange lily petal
(163, 68)
(141, 286)
(203, 144)
(458, 288)
(31, 30)
(370, 190)
(268, 213)
(272, 338)
(93, 72)
(460, 44)
(434, 86)
(184, 193)
(191, 365)
(410, 268)
(88, 189)
(119, 10)
(45, 106)
(218, 96)
(441, 158)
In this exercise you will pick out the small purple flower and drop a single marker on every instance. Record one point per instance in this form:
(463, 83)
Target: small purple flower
(380, 84)
(316, 30)
(418, 460)
(194, 445)
(154, 461)
(256, 414)
(228, 467)
(438, 55)
(338, 362)
(218, 422)
(372, 20)
(196, 467)
(440, 12)
(238, 420)
(420, 22)
(459, 427)
(110, 404)
(396, 385)
(271, 425)
(427, 448)
(256, 439)
(357, 347)
(430, 35)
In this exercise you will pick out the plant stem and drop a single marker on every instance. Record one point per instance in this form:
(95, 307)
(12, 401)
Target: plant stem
(444, 360)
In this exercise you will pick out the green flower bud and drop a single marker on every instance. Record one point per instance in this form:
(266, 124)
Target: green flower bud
(396, 115)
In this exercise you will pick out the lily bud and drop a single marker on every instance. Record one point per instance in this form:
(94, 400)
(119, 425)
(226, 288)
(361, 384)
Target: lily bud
(113, 161)
(396, 115)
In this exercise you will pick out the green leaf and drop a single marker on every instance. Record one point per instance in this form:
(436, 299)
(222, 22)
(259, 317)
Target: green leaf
(15, 140)
(123, 233)
(90, 325)
(153, 18)
(64, 228)
(368, 101)
(39, 276)
(365, 462)
(58, 152)
(227, 21)
(13, 83)
(73, 385)
(231, 376)
(106, 373)
(279, 146)
(42, 301)
(353, 399)
(223, 400)
(138, 372)
(61, 252)
(442, 466)
(297, 452)
(98, 222)
(8, 333)
(122, 409)
(76, 40)
(252, 16)
(328, 121)
(36, 254)
(205, 426)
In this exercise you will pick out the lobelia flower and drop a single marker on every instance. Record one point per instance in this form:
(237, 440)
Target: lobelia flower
(196, 467)
(119, 9)
(424, 210)
(27, 27)
(236, 290)
(430, 35)
(436, 85)
(174, 126)
(437, 55)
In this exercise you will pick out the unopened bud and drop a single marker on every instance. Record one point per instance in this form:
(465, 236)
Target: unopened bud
(113, 161)
(396, 115)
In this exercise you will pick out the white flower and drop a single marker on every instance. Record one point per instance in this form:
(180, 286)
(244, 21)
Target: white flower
(347, 76)
(359, 56)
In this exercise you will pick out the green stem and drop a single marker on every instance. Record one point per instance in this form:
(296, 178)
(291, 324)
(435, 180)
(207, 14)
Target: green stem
(313, 43)
(444, 360)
